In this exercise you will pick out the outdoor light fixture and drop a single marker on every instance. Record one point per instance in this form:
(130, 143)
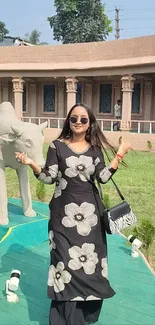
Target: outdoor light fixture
(12, 285)
(136, 244)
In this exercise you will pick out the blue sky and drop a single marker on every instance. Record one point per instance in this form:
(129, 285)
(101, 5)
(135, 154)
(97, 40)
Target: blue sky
(137, 18)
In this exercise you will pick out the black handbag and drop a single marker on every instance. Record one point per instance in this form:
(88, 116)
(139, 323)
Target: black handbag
(119, 217)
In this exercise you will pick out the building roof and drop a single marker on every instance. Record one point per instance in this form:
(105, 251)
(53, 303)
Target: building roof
(133, 51)
(14, 41)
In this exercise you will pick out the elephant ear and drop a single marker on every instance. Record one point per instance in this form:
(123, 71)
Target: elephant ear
(43, 125)
(11, 136)
(8, 137)
(17, 130)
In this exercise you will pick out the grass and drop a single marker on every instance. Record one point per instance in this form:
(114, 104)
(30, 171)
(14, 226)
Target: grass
(137, 183)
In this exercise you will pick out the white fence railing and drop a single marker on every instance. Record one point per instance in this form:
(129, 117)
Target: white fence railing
(140, 126)
(137, 126)
(52, 122)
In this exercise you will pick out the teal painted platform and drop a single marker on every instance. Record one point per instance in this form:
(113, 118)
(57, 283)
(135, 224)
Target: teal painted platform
(25, 247)
(21, 229)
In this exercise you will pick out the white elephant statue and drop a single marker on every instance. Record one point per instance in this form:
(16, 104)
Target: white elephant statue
(18, 136)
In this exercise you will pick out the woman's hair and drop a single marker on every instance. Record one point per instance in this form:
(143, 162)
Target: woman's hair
(94, 134)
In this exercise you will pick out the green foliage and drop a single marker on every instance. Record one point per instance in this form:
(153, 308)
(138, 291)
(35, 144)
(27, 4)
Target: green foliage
(149, 145)
(106, 201)
(80, 21)
(146, 233)
(3, 30)
(33, 37)
(41, 191)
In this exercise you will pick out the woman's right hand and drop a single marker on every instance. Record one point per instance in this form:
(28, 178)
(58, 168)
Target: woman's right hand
(22, 158)
(124, 148)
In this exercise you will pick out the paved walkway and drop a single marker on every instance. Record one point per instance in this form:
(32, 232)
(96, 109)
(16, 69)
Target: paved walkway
(134, 302)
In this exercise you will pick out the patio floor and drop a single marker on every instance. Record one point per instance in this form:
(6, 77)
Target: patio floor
(24, 246)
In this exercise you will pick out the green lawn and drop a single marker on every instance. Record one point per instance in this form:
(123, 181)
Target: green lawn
(137, 183)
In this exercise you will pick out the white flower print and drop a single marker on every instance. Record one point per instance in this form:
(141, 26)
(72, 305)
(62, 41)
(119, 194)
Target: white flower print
(83, 257)
(92, 298)
(58, 277)
(77, 299)
(51, 241)
(53, 170)
(104, 267)
(82, 166)
(105, 174)
(82, 217)
(97, 161)
(87, 299)
(61, 184)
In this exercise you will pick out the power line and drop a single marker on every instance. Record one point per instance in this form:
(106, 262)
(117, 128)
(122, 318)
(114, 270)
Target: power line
(121, 9)
(132, 19)
(141, 9)
(119, 19)
(148, 27)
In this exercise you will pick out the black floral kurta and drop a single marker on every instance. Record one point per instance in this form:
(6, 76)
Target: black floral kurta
(78, 269)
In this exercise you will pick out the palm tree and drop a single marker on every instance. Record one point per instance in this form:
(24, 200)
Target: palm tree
(33, 37)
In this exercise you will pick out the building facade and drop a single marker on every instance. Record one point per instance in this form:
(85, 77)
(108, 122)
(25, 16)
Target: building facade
(45, 82)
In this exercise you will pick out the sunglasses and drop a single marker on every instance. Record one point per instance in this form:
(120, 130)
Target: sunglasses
(74, 119)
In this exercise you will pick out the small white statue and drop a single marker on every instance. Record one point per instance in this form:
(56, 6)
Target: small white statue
(18, 136)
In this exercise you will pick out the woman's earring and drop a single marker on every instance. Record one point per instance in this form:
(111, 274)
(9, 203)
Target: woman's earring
(69, 134)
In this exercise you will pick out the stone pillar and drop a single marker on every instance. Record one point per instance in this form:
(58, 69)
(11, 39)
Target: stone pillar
(33, 99)
(127, 89)
(117, 88)
(5, 90)
(0, 93)
(18, 96)
(147, 103)
(71, 89)
(88, 94)
(61, 98)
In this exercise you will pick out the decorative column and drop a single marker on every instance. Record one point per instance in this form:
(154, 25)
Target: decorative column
(88, 94)
(117, 88)
(5, 90)
(33, 99)
(0, 93)
(18, 96)
(147, 103)
(71, 89)
(61, 98)
(127, 89)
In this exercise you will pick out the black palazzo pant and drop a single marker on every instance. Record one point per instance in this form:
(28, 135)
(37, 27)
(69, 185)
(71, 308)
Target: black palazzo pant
(74, 312)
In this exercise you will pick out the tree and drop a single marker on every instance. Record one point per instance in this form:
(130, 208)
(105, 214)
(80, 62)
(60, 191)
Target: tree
(33, 37)
(3, 30)
(79, 21)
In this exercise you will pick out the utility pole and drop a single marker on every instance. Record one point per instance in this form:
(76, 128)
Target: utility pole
(117, 28)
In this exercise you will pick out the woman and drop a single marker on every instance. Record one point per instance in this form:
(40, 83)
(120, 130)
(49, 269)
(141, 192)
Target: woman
(78, 277)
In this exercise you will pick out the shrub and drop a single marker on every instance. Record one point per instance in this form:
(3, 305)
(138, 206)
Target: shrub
(146, 233)
(149, 145)
(41, 191)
